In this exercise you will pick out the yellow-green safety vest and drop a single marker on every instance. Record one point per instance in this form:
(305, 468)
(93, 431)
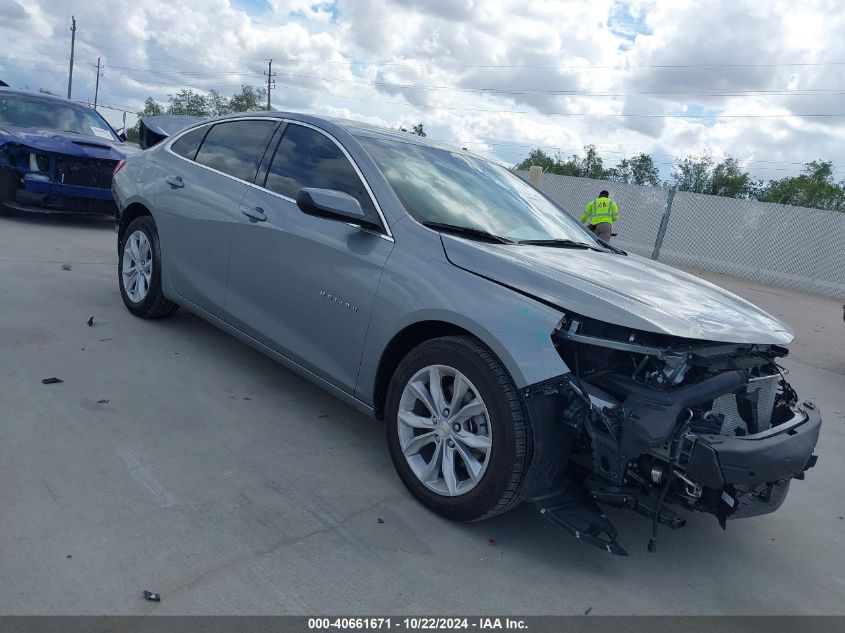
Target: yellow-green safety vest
(601, 210)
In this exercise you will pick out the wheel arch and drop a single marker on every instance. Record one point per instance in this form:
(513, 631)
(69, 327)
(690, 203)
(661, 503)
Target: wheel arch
(407, 339)
(132, 211)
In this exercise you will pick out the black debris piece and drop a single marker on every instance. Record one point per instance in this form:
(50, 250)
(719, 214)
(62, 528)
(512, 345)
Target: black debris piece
(91, 322)
(152, 597)
(66, 267)
(325, 415)
(380, 520)
(104, 339)
(587, 612)
(102, 401)
(52, 381)
(69, 556)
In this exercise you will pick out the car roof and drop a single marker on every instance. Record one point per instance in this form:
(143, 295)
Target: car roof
(354, 128)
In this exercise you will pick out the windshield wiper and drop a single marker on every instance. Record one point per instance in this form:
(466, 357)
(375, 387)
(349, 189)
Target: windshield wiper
(560, 243)
(468, 231)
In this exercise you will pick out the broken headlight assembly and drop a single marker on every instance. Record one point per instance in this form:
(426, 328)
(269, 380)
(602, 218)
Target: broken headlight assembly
(647, 421)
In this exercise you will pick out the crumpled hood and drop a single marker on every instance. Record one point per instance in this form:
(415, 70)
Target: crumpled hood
(630, 291)
(64, 143)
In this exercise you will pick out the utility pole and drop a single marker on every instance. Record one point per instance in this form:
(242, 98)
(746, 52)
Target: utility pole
(270, 82)
(97, 86)
(72, 43)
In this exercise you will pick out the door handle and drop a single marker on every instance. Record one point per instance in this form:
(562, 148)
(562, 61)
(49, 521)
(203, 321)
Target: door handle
(254, 214)
(175, 181)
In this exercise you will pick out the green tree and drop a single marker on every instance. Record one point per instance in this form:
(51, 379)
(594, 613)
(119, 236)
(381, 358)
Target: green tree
(592, 165)
(692, 174)
(815, 187)
(218, 104)
(190, 103)
(588, 166)
(249, 99)
(637, 170)
(701, 174)
(538, 157)
(151, 108)
(727, 179)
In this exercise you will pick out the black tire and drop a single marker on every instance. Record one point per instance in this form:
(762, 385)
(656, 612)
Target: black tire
(8, 188)
(499, 488)
(153, 305)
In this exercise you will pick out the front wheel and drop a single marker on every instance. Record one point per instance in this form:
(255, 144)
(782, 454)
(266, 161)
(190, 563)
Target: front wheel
(139, 271)
(456, 429)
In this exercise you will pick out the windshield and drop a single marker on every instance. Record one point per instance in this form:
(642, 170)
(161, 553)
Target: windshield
(52, 114)
(438, 185)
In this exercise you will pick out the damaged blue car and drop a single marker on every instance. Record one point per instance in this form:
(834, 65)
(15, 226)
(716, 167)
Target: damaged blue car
(56, 156)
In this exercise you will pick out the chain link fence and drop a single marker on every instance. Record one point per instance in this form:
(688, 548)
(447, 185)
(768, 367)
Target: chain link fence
(773, 244)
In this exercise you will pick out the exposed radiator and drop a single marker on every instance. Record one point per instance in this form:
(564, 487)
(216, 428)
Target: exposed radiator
(765, 389)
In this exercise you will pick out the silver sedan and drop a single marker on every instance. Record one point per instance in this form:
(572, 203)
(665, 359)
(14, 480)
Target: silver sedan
(513, 355)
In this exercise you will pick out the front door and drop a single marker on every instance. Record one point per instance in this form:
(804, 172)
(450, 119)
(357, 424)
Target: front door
(303, 285)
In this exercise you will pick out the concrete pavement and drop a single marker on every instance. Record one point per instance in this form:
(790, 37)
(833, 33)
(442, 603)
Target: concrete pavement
(231, 486)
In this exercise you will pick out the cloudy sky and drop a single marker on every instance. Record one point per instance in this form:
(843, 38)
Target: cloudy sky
(755, 80)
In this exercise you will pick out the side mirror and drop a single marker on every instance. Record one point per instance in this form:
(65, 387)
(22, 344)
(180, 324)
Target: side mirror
(333, 205)
(122, 136)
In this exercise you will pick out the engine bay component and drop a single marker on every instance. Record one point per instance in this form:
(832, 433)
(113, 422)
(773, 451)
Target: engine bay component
(645, 420)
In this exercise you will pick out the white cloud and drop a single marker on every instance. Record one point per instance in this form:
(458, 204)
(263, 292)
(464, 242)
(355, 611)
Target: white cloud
(396, 62)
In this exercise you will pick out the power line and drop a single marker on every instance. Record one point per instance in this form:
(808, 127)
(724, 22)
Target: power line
(812, 92)
(353, 62)
(579, 114)
(525, 91)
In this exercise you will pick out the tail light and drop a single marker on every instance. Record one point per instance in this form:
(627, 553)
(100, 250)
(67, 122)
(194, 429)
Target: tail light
(118, 167)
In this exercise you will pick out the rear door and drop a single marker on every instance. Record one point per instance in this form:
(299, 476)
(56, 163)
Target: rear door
(205, 174)
(304, 285)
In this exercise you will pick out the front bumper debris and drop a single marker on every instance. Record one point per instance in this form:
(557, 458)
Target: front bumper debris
(645, 448)
(56, 183)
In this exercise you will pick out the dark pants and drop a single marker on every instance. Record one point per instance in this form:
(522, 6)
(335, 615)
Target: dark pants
(602, 230)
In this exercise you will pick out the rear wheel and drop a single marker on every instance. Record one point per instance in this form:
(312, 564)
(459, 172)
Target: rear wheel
(456, 429)
(139, 271)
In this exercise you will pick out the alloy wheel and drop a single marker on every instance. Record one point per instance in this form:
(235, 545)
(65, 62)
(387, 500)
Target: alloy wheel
(444, 430)
(137, 268)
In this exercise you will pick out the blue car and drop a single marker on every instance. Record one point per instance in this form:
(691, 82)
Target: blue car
(56, 155)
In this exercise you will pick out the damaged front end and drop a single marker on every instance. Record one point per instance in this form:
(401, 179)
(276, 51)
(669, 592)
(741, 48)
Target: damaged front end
(37, 180)
(647, 421)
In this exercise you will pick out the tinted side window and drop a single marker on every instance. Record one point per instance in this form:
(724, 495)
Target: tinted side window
(188, 144)
(306, 158)
(236, 147)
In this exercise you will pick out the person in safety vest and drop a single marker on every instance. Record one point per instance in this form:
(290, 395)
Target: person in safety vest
(600, 215)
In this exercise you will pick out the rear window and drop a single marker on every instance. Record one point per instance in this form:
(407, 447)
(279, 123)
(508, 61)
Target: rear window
(188, 144)
(236, 147)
